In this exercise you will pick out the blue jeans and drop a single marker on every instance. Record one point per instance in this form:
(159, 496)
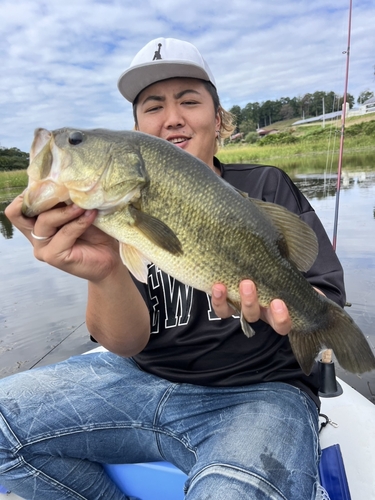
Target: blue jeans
(59, 423)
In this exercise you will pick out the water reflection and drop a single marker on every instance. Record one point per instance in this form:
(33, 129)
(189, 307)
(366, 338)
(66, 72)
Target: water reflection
(319, 186)
(6, 227)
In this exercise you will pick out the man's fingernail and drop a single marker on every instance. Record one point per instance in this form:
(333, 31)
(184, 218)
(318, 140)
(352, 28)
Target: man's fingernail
(278, 305)
(247, 288)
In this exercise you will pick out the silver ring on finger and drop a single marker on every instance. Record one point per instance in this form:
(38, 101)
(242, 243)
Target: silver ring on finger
(40, 238)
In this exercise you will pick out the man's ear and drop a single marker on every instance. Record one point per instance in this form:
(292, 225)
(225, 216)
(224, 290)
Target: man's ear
(218, 121)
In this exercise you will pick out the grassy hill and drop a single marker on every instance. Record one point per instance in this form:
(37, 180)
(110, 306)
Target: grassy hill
(303, 140)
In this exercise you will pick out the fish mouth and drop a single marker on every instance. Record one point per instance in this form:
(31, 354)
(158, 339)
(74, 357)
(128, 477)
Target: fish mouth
(43, 192)
(43, 195)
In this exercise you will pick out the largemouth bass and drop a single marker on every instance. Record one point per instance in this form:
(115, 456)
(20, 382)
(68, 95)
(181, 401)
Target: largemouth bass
(167, 207)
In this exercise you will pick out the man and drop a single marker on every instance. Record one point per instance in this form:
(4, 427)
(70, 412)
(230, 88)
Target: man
(181, 382)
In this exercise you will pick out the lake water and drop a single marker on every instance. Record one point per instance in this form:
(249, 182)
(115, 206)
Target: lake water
(42, 310)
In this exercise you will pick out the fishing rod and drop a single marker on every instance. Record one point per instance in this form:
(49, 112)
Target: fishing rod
(343, 116)
(55, 346)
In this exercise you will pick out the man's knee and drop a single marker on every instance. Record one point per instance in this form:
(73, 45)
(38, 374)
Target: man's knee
(229, 482)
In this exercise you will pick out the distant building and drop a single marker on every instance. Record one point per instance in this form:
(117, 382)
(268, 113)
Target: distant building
(262, 132)
(320, 118)
(365, 108)
(368, 106)
(236, 137)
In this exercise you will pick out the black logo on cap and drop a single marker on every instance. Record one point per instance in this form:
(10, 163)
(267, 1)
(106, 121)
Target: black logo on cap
(157, 53)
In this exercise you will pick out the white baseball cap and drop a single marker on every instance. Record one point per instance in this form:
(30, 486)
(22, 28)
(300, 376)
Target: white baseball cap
(160, 59)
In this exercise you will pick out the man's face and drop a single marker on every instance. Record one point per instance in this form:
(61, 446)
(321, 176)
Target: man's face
(181, 111)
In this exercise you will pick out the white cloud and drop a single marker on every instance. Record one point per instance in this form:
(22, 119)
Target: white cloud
(60, 61)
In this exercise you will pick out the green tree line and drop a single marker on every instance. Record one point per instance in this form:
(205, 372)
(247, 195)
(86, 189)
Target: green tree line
(257, 115)
(13, 159)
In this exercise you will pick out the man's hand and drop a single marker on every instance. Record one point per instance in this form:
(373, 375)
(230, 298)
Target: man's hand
(276, 314)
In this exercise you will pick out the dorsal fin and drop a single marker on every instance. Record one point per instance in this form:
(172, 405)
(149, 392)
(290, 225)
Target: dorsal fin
(301, 241)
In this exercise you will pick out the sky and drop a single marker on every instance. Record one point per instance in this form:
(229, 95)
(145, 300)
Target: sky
(60, 60)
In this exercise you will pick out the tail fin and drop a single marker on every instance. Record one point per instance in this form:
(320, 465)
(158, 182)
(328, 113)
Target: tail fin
(342, 335)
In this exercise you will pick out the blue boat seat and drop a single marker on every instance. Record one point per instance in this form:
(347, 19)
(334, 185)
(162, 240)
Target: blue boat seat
(163, 481)
(149, 481)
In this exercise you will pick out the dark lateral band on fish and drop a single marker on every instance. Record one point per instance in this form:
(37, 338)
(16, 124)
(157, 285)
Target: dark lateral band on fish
(167, 207)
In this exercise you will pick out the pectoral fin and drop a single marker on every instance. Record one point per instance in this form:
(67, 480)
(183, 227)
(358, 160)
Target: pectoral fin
(156, 231)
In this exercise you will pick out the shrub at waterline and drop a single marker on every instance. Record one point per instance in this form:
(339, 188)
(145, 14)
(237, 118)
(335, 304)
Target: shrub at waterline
(13, 159)
(282, 138)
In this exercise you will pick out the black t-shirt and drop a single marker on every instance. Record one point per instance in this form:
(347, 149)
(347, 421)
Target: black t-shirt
(189, 344)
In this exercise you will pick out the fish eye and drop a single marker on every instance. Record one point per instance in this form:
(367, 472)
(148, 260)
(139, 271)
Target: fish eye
(75, 137)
